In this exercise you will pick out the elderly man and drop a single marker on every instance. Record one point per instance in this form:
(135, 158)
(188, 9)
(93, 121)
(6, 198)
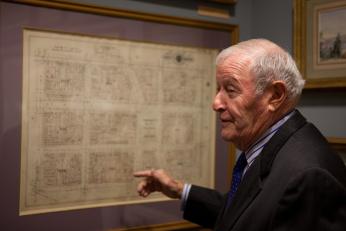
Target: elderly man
(287, 177)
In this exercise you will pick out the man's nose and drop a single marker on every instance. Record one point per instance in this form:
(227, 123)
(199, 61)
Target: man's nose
(218, 103)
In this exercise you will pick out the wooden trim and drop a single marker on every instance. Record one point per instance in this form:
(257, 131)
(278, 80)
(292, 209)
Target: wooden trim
(299, 35)
(226, 2)
(65, 5)
(299, 21)
(336, 140)
(213, 12)
(179, 225)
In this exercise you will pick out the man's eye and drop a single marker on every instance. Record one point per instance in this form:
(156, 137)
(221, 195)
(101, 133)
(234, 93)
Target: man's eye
(230, 89)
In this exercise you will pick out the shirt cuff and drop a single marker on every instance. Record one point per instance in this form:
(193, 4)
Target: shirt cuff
(185, 195)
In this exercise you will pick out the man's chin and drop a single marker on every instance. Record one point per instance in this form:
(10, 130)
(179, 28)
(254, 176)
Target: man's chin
(227, 137)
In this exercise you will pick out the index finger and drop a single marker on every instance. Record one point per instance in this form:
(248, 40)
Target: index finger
(145, 173)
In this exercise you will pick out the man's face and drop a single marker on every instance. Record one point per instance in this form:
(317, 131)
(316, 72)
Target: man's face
(241, 112)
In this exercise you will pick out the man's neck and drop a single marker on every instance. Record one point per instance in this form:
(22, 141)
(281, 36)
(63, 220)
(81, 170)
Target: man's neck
(270, 121)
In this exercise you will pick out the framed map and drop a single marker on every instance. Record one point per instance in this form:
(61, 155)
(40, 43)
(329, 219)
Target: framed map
(95, 110)
(66, 132)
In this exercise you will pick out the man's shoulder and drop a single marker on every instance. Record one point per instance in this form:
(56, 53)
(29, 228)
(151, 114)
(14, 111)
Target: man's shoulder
(308, 149)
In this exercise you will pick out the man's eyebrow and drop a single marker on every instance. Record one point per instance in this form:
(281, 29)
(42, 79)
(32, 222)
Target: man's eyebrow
(231, 80)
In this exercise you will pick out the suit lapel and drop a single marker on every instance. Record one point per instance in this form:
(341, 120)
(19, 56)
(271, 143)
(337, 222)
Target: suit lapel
(254, 177)
(271, 149)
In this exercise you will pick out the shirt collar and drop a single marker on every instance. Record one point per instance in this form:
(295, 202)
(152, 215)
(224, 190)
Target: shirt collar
(256, 148)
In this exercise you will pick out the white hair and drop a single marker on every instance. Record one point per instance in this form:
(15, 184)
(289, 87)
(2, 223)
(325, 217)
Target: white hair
(267, 62)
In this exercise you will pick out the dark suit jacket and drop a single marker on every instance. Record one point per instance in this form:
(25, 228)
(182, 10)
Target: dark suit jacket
(296, 183)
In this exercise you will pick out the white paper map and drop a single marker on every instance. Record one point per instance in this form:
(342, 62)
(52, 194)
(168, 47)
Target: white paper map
(95, 110)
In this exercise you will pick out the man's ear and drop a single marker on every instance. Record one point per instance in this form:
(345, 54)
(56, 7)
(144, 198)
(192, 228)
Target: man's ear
(278, 94)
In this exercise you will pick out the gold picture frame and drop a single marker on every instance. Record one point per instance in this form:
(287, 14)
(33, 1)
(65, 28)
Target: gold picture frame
(183, 225)
(319, 42)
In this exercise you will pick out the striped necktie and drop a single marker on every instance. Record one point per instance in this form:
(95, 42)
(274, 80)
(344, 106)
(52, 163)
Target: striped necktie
(236, 176)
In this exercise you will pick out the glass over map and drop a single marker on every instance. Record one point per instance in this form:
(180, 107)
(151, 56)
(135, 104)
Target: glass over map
(97, 109)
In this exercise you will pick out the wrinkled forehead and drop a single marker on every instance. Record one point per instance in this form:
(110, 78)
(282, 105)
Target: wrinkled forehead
(236, 68)
(236, 57)
(235, 63)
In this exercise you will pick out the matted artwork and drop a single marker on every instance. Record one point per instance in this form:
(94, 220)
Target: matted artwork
(97, 109)
(330, 36)
(320, 42)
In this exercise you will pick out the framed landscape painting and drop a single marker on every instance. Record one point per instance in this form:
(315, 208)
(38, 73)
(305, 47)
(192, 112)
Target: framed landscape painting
(320, 42)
